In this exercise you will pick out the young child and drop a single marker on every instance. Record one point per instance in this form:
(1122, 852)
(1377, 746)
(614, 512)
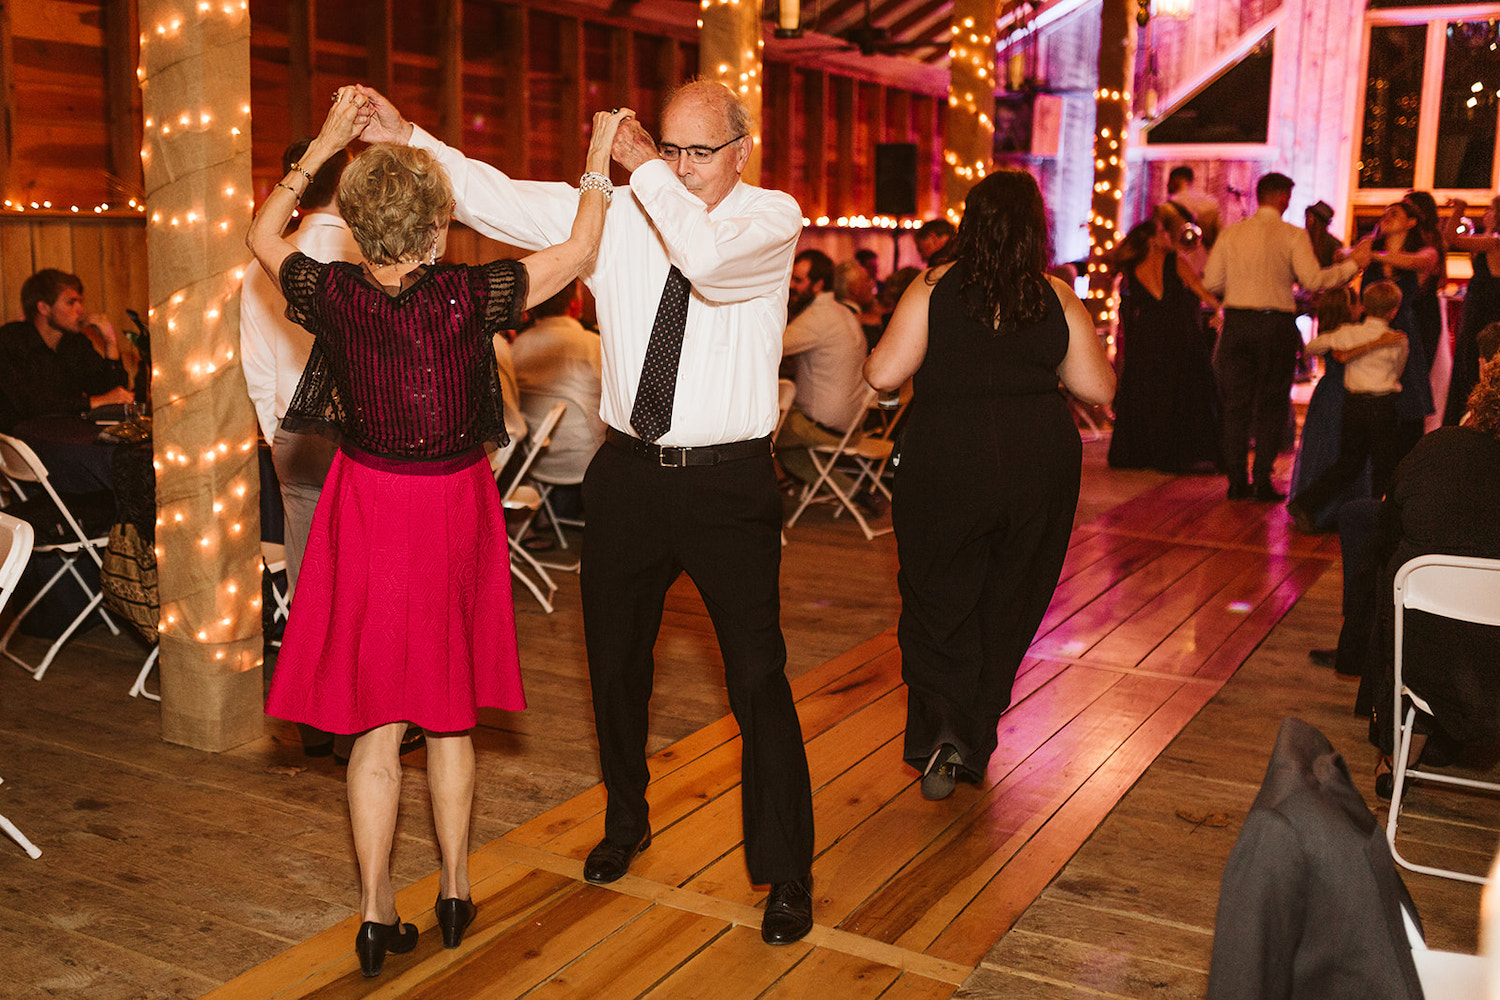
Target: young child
(1374, 356)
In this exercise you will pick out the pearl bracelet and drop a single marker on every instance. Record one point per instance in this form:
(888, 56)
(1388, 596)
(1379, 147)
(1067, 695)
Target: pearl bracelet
(593, 181)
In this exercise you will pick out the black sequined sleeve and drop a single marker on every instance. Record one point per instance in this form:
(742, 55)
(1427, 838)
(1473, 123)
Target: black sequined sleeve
(316, 400)
(505, 295)
(301, 277)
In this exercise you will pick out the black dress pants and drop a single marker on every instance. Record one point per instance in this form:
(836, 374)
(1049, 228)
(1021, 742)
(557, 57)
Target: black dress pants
(721, 525)
(1368, 433)
(1255, 359)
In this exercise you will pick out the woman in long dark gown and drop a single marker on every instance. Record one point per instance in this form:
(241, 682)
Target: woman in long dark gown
(987, 483)
(1481, 303)
(1167, 406)
(1405, 255)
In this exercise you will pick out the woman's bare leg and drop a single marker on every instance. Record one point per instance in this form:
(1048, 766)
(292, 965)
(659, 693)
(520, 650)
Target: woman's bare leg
(450, 781)
(374, 783)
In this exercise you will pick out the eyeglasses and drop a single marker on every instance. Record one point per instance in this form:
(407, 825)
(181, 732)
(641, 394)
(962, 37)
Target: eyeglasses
(698, 154)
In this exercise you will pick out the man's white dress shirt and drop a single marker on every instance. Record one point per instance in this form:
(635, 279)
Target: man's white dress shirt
(273, 349)
(1257, 260)
(737, 257)
(828, 346)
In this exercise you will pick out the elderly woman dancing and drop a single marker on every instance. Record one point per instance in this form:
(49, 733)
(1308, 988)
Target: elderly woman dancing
(403, 611)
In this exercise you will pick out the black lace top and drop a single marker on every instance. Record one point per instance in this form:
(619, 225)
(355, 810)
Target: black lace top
(407, 376)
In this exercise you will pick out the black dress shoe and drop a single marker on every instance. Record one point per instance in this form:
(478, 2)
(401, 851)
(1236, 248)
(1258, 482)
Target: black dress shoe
(1239, 491)
(1268, 493)
(454, 916)
(608, 861)
(374, 940)
(788, 912)
(941, 772)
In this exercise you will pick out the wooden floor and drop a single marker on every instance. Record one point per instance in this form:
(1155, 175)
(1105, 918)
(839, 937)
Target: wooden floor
(166, 872)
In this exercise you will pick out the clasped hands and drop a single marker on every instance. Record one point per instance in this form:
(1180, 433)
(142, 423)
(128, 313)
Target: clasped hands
(364, 113)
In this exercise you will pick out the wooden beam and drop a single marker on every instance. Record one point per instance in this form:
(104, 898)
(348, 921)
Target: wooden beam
(969, 134)
(121, 41)
(7, 99)
(1112, 104)
(729, 51)
(451, 72)
(929, 145)
(515, 90)
(670, 65)
(301, 16)
(570, 127)
(379, 44)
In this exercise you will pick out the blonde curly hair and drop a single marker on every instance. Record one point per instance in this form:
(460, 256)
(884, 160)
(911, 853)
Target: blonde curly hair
(1484, 402)
(396, 200)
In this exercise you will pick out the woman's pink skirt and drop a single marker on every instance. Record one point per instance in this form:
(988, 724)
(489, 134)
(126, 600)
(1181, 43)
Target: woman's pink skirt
(402, 610)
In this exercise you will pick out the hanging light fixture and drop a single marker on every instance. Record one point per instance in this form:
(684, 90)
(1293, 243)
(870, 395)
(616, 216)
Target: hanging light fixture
(789, 19)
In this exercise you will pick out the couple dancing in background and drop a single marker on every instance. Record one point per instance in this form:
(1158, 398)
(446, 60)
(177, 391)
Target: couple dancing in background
(684, 483)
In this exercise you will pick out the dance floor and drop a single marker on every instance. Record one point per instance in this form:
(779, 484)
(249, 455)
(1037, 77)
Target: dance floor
(1162, 599)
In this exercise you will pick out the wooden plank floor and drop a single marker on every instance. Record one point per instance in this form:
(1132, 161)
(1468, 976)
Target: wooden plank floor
(171, 873)
(1161, 599)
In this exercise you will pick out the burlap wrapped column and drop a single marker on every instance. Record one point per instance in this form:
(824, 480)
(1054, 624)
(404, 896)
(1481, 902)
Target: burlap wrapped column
(1112, 104)
(729, 50)
(195, 83)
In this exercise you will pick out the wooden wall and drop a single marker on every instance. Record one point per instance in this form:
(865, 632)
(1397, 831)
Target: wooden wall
(513, 83)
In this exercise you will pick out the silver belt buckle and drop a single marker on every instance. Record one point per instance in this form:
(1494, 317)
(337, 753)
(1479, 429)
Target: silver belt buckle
(672, 457)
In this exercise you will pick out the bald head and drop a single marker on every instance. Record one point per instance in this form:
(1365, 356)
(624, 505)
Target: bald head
(715, 98)
(707, 128)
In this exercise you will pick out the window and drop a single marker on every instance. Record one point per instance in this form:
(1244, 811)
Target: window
(1431, 100)
(1235, 108)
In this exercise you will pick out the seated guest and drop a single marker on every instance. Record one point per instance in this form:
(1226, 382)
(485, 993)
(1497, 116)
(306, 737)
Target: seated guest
(1442, 500)
(1374, 357)
(48, 363)
(932, 237)
(515, 424)
(812, 273)
(1487, 342)
(853, 286)
(556, 356)
(826, 345)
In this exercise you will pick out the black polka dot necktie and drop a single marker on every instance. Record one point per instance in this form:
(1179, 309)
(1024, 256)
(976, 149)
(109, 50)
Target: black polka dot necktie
(652, 414)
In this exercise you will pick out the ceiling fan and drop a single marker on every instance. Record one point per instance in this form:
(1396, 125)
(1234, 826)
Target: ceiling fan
(867, 37)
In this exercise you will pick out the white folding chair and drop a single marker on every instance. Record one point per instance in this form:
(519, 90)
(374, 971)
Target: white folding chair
(551, 471)
(16, 541)
(19, 464)
(868, 453)
(1463, 588)
(519, 496)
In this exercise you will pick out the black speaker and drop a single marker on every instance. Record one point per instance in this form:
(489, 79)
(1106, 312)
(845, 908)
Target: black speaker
(896, 178)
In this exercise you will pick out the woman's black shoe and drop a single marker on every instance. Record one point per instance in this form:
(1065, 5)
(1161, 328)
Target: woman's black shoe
(374, 940)
(454, 916)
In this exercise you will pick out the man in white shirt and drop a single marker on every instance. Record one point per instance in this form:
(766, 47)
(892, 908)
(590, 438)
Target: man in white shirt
(1374, 356)
(273, 352)
(827, 346)
(556, 357)
(1253, 268)
(700, 495)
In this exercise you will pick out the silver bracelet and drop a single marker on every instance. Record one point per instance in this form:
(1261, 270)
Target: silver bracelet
(594, 181)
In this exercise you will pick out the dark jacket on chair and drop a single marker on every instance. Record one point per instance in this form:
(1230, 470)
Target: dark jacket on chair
(1310, 906)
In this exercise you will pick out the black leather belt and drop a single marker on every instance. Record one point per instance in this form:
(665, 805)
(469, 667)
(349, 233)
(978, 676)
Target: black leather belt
(671, 457)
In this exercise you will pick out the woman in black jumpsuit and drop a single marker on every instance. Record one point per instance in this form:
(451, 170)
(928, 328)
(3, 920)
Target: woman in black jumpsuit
(989, 467)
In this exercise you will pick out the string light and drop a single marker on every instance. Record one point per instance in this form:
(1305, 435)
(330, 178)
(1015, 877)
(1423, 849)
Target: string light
(970, 132)
(860, 222)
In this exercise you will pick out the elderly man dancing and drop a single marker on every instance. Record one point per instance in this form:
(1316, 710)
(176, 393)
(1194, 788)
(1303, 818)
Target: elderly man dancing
(691, 285)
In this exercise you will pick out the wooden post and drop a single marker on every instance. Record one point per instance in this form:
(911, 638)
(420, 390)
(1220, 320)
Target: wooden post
(301, 30)
(195, 84)
(571, 147)
(451, 73)
(7, 99)
(622, 68)
(379, 43)
(969, 141)
(843, 203)
(781, 83)
(1117, 29)
(516, 93)
(815, 140)
(121, 39)
(729, 49)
